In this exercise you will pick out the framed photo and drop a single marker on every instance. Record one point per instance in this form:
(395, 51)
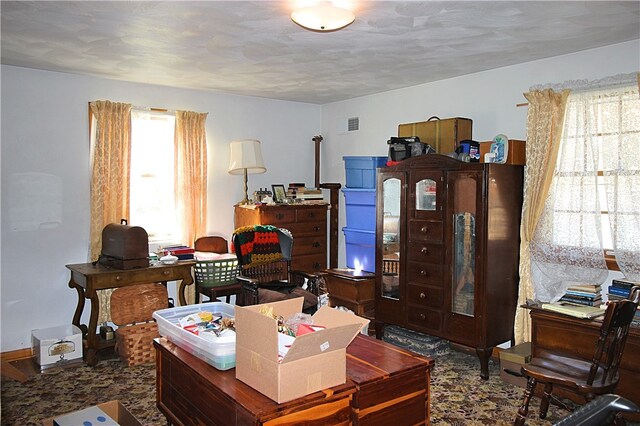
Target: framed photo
(279, 193)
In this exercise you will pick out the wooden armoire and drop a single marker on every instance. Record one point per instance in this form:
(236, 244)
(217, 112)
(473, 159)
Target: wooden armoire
(447, 250)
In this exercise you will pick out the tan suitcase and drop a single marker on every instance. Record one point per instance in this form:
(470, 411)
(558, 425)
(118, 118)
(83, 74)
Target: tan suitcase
(443, 135)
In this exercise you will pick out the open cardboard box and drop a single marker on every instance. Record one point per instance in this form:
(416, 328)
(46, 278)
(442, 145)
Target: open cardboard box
(315, 361)
(113, 409)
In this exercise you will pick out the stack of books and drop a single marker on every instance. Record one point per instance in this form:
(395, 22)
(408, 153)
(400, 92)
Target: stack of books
(300, 192)
(180, 251)
(583, 294)
(620, 289)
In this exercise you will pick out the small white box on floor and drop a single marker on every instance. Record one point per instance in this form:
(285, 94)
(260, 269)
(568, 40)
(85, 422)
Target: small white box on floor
(106, 414)
(57, 346)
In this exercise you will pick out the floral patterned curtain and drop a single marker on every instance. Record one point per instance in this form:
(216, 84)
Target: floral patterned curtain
(191, 178)
(110, 164)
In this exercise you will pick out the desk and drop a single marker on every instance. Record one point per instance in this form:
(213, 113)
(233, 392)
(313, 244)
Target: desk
(88, 278)
(550, 330)
(384, 384)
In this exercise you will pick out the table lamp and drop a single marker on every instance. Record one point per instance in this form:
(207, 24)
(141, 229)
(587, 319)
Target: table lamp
(245, 156)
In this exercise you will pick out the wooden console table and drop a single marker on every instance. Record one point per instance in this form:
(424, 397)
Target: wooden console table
(550, 330)
(88, 278)
(384, 384)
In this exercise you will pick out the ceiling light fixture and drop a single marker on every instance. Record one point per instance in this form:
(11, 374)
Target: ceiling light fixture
(323, 17)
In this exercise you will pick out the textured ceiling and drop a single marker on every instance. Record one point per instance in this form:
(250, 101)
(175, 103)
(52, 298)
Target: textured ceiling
(253, 48)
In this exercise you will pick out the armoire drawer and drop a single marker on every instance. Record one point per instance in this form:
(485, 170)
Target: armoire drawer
(424, 252)
(429, 320)
(431, 297)
(425, 273)
(425, 230)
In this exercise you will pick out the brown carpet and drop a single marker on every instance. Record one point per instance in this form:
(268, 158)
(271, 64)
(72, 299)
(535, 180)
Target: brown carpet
(459, 396)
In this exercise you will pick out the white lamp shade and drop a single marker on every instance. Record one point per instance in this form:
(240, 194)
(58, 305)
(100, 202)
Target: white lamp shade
(323, 17)
(246, 154)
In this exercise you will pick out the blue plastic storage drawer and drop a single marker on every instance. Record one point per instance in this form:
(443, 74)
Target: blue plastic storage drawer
(361, 249)
(361, 171)
(361, 208)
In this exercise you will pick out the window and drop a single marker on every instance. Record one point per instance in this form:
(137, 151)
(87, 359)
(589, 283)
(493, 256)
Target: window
(152, 201)
(592, 204)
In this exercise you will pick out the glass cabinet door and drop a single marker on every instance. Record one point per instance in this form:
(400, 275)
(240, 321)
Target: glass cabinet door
(391, 237)
(464, 194)
(426, 194)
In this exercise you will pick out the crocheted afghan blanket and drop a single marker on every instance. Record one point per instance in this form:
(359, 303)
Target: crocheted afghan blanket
(259, 244)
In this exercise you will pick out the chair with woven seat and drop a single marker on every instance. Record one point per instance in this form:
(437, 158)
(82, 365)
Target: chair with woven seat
(588, 379)
(264, 256)
(219, 245)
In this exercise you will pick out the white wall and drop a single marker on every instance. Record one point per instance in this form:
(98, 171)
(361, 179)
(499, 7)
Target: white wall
(45, 177)
(488, 98)
(45, 149)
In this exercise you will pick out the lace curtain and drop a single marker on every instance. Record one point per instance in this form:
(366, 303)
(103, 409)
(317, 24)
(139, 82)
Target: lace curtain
(110, 164)
(600, 132)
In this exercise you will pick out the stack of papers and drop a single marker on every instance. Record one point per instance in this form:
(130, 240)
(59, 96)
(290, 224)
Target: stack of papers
(574, 310)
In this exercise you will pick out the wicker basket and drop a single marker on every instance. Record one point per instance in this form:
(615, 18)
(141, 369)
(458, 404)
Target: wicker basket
(134, 343)
(132, 309)
(215, 273)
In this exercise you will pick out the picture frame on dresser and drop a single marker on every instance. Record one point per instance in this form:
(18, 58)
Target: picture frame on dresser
(279, 193)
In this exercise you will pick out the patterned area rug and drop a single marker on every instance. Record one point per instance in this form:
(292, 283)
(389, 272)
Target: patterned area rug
(459, 396)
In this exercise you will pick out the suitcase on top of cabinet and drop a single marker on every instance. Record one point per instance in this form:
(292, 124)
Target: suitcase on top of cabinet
(444, 135)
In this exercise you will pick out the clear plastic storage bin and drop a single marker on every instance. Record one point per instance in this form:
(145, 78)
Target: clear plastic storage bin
(220, 355)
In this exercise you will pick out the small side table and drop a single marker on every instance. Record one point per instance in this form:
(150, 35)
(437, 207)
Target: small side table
(353, 290)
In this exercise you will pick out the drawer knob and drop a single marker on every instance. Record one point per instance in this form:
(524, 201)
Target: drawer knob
(424, 250)
(279, 216)
(423, 272)
(316, 228)
(311, 215)
(316, 265)
(424, 230)
(118, 278)
(422, 316)
(422, 295)
(165, 272)
(316, 244)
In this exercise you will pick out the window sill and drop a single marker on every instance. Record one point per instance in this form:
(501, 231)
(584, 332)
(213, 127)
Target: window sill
(612, 265)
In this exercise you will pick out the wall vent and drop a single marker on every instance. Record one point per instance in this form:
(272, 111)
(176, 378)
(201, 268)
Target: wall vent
(353, 124)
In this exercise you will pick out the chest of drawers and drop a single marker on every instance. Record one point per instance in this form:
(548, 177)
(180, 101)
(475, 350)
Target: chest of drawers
(307, 223)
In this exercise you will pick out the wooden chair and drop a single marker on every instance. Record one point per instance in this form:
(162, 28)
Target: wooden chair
(265, 272)
(589, 379)
(215, 244)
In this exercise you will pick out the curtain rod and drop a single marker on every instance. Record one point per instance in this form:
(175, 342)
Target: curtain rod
(152, 109)
(617, 80)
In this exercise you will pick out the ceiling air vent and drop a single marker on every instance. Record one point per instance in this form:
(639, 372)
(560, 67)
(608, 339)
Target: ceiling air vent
(353, 124)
